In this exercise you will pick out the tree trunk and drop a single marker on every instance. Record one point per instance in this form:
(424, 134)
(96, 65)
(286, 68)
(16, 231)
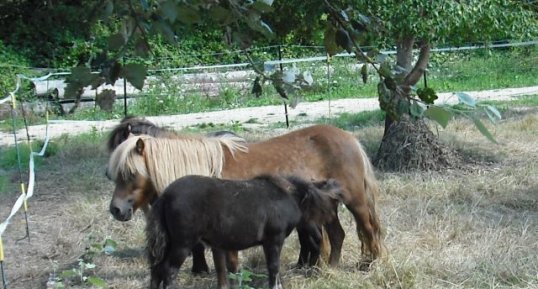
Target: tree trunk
(404, 59)
(408, 143)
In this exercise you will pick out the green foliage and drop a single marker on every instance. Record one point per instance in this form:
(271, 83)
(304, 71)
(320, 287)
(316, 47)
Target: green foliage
(84, 272)
(9, 159)
(5, 185)
(453, 22)
(11, 64)
(438, 114)
(349, 121)
(245, 277)
(64, 30)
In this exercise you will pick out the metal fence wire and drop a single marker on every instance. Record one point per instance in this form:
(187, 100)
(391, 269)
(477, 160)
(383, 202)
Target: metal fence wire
(172, 89)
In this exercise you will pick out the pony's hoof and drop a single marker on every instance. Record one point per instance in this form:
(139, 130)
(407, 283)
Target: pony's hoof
(365, 265)
(200, 271)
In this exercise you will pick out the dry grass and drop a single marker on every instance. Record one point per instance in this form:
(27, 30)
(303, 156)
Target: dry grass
(472, 228)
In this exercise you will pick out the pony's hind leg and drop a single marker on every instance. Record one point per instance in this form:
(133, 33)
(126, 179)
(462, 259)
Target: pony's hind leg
(368, 231)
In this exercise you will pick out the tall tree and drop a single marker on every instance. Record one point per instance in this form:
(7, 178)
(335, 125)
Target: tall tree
(412, 25)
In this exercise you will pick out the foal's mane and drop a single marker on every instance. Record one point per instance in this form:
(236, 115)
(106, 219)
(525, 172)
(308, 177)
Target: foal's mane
(166, 160)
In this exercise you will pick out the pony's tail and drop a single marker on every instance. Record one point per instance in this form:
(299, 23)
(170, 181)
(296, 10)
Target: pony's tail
(156, 234)
(371, 188)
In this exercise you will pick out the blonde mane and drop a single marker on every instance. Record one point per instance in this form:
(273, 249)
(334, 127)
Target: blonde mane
(169, 159)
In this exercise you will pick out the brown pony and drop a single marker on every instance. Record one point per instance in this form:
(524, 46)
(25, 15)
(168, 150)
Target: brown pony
(142, 166)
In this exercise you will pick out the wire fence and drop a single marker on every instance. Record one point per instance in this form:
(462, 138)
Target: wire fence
(170, 88)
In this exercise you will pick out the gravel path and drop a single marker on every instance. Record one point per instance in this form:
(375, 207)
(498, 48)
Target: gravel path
(252, 116)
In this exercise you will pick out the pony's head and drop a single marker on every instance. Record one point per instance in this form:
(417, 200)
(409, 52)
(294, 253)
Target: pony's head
(143, 166)
(127, 168)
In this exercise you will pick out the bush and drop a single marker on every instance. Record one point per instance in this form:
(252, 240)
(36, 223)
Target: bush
(12, 64)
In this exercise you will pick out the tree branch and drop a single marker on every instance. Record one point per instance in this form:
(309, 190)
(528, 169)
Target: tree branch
(420, 66)
(334, 13)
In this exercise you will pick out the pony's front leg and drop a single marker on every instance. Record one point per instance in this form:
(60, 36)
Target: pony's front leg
(219, 258)
(272, 259)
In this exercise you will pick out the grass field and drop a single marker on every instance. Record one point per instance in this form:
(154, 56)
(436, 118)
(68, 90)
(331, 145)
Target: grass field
(475, 227)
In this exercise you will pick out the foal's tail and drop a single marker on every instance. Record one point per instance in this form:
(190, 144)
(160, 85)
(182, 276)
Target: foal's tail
(156, 234)
(320, 201)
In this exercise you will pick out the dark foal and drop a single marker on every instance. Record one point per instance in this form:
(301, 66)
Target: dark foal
(235, 215)
(132, 125)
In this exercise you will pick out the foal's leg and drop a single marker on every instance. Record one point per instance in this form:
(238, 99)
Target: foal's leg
(199, 264)
(166, 271)
(314, 239)
(232, 261)
(272, 249)
(305, 246)
(219, 258)
(336, 236)
(310, 240)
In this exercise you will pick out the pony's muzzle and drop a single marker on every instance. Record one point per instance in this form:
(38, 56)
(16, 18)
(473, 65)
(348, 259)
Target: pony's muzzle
(121, 213)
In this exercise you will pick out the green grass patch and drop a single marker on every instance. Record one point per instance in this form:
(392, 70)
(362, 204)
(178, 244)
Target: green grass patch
(504, 105)
(12, 156)
(483, 69)
(350, 121)
(5, 185)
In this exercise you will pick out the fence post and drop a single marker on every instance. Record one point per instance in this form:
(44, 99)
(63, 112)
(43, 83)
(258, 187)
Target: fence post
(425, 79)
(281, 69)
(4, 283)
(124, 92)
(19, 161)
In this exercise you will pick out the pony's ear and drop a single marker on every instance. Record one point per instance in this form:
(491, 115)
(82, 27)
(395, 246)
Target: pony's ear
(129, 128)
(140, 146)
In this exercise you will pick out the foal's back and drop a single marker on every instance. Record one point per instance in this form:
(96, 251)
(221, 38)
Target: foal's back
(231, 215)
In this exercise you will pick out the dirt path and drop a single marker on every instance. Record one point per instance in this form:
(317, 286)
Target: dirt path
(253, 116)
